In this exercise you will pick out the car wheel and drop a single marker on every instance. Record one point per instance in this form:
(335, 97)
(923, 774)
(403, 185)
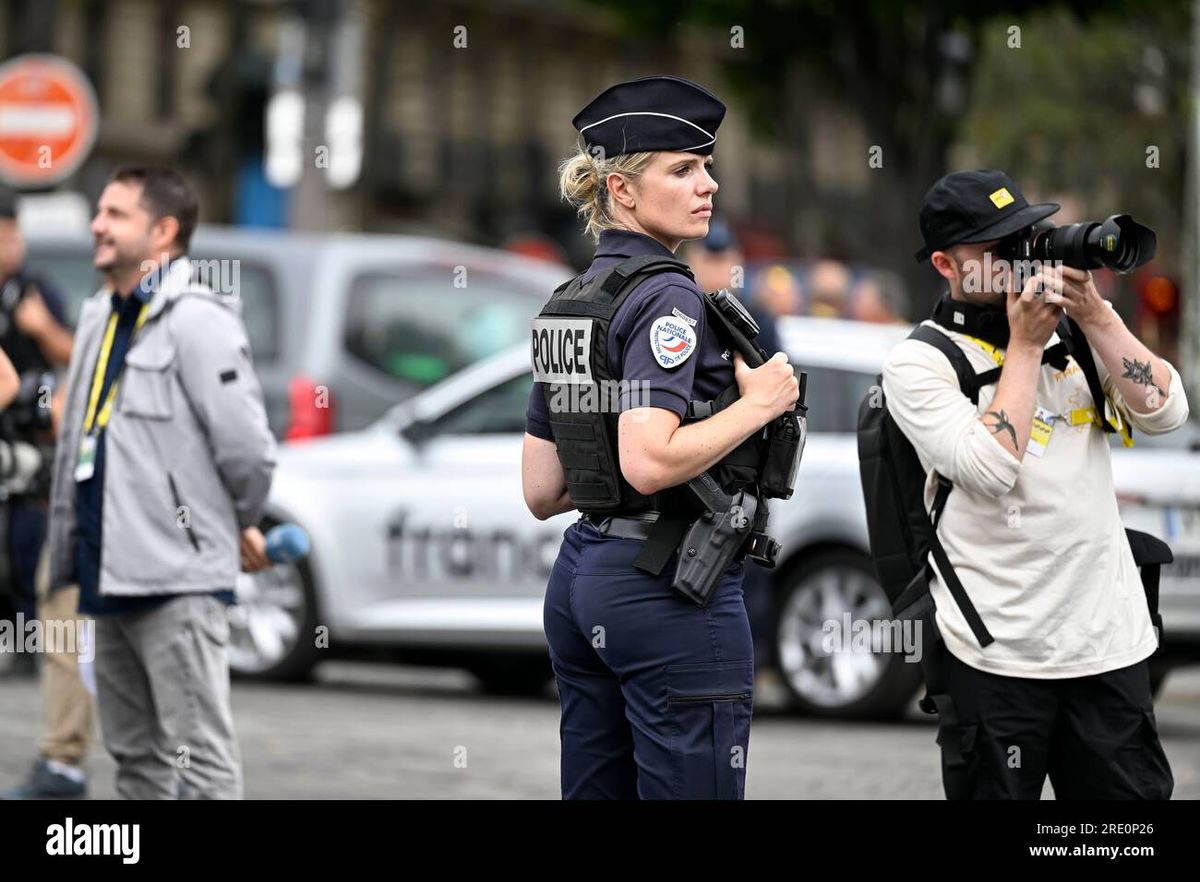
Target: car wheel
(272, 626)
(852, 682)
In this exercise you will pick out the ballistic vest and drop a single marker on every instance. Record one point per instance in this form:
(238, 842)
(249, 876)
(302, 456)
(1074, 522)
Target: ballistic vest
(571, 358)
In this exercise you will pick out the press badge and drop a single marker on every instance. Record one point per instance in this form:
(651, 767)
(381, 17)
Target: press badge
(1039, 433)
(85, 466)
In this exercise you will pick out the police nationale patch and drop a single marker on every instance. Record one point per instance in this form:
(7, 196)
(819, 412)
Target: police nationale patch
(672, 341)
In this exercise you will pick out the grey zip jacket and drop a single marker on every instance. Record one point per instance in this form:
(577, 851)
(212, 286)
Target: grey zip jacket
(188, 454)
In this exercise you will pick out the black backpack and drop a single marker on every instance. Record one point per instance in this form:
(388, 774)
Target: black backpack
(903, 535)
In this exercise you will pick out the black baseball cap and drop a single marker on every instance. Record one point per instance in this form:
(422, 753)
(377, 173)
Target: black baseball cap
(653, 113)
(975, 206)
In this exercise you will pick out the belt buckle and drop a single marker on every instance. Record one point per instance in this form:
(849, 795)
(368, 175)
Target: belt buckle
(599, 523)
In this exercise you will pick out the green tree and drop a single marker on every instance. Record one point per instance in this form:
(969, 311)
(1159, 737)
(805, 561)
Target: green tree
(908, 72)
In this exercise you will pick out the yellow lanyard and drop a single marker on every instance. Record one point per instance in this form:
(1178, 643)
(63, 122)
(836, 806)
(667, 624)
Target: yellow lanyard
(100, 420)
(1077, 416)
(996, 353)
(1082, 415)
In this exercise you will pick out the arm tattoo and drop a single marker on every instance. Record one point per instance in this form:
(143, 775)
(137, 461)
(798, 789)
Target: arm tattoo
(1140, 372)
(1002, 423)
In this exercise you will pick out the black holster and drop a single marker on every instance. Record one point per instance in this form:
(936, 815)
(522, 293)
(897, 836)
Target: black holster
(730, 527)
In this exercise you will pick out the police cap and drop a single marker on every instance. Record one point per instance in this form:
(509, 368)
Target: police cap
(652, 113)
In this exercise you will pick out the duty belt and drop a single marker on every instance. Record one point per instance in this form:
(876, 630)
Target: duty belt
(623, 526)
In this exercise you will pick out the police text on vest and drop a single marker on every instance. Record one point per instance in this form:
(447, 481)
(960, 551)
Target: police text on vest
(562, 350)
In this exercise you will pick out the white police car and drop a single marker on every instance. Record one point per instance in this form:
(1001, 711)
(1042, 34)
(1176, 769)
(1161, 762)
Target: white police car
(423, 548)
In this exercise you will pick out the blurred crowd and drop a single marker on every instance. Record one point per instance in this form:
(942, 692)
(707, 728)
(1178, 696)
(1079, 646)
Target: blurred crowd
(820, 287)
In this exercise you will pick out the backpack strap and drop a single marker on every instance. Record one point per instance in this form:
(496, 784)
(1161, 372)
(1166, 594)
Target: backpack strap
(969, 382)
(953, 584)
(1082, 353)
(950, 578)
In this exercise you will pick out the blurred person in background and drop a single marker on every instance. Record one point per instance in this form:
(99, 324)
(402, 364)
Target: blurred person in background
(537, 246)
(777, 292)
(718, 263)
(35, 330)
(159, 483)
(877, 297)
(10, 381)
(36, 337)
(828, 288)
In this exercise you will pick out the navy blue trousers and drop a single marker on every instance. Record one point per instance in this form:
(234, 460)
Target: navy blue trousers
(656, 692)
(27, 532)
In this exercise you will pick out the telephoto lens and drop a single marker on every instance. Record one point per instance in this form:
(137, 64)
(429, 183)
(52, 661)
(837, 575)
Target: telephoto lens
(1119, 243)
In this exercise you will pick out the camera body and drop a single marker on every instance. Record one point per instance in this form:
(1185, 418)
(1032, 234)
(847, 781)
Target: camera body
(26, 438)
(1118, 243)
(28, 417)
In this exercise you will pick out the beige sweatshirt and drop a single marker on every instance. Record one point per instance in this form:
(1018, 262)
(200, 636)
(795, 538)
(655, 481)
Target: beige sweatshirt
(1037, 543)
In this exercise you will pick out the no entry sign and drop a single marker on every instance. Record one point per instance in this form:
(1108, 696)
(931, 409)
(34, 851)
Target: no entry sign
(48, 120)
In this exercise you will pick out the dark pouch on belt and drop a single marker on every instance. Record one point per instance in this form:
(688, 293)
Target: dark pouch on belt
(785, 445)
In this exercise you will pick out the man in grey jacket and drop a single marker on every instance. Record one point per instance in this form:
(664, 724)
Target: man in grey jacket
(162, 469)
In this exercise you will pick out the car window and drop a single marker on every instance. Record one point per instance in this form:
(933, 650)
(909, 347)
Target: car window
(499, 410)
(418, 326)
(72, 273)
(858, 385)
(833, 397)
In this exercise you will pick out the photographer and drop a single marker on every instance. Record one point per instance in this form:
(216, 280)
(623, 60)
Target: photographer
(1058, 683)
(35, 336)
(35, 332)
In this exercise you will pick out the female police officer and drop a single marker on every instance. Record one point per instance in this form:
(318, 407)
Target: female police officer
(656, 690)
